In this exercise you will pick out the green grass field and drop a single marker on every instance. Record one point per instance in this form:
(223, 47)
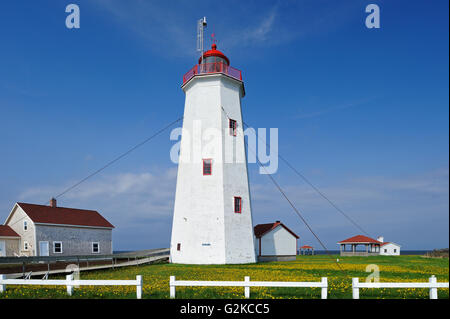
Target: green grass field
(305, 268)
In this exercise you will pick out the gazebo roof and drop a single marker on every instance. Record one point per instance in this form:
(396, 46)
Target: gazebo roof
(359, 239)
(307, 247)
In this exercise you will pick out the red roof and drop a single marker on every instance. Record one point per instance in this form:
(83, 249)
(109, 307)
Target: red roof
(261, 229)
(64, 216)
(306, 247)
(214, 52)
(359, 239)
(384, 243)
(6, 231)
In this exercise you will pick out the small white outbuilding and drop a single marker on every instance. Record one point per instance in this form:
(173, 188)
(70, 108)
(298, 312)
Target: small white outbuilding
(274, 241)
(390, 249)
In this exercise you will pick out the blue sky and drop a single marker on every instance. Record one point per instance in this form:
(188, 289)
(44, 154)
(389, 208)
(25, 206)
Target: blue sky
(363, 113)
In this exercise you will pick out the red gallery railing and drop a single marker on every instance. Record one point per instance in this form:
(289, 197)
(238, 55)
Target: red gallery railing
(215, 67)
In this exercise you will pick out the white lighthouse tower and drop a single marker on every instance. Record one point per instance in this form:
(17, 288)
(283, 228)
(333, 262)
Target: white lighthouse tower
(212, 220)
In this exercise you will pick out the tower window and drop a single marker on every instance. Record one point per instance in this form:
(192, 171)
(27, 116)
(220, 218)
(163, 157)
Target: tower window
(207, 166)
(233, 126)
(178, 246)
(237, 205)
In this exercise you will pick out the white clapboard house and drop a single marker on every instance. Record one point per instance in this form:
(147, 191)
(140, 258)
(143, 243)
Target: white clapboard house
(388, 248)
(41, 230)
(274, 241)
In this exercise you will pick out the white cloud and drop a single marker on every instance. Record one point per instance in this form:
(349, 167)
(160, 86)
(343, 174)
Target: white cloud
(121, 197)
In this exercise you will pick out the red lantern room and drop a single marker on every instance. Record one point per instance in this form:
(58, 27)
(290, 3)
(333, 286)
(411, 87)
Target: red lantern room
(213, 61)
(214, 56)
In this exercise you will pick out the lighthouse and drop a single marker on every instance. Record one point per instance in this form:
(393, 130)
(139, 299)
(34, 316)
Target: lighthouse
(212, 219)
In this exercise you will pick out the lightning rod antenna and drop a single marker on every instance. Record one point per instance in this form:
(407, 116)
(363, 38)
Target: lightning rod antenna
(201, 25)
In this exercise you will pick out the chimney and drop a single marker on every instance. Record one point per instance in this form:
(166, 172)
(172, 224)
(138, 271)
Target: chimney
(380, 239)
(278, 222)
(53, 202)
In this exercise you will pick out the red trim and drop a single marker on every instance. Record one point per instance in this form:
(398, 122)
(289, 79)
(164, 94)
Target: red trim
(233, 127)
(261, 229)
(240, 205)
(359, 239)
(210, 167)
(64, 216)
(6, 231)
(214, 52)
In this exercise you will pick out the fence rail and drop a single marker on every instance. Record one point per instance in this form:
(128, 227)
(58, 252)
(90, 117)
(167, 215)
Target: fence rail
(70, 283)
(433, 285)
(173, 283)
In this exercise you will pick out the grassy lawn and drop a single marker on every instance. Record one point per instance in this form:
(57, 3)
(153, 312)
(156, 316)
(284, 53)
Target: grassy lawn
(305, 268)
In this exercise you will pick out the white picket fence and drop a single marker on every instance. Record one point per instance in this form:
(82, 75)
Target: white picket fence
(70, 283)
(433, 285)
(323, 284)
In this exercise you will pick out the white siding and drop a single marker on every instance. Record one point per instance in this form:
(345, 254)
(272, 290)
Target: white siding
(15, 221)
(204, 223)
(278, 242)
(388, 249)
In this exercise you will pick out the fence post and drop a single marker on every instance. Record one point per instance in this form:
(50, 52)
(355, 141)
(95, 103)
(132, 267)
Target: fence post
(172, 287)
(2, 286)
(247, 288)
(324, 288)
(138, 286)
(69, 278)
(433, 291)
(355, 289)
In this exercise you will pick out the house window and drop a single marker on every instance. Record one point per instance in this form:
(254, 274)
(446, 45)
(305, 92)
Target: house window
(178, 246)
(385, 250)
(57, 247)
(233, 127)
(25, 225)
(207, 166)
(237, 205)
(25, 245)
(95, 248)
(395, 250)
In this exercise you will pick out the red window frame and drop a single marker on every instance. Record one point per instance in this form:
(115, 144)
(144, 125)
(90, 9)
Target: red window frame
(205, 172)
(237, 205)
(233, 127)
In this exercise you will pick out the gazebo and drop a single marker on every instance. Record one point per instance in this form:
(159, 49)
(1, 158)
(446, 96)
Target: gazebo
(371, 246)
(306, 250)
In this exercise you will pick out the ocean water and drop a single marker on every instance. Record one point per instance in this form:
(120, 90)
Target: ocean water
(402, 252)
